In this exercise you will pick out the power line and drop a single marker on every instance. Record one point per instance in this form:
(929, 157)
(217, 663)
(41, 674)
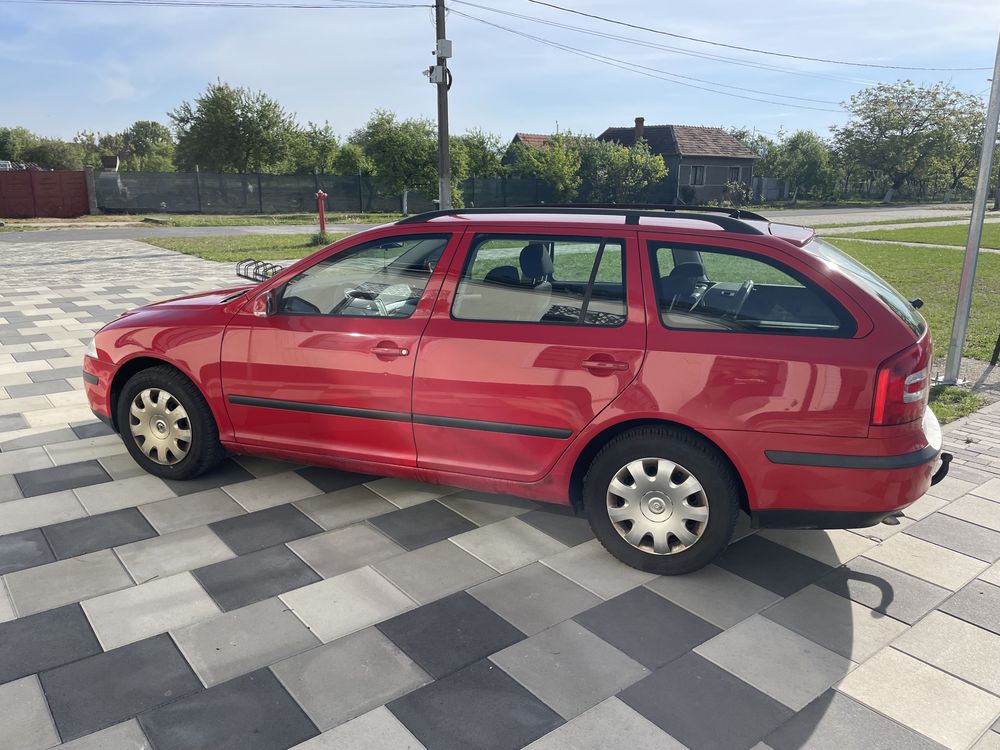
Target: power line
(636, 68)
(344, 4)
(741, 48)
(668, 48)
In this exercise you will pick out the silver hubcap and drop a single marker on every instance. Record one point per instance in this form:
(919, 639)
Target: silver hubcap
(160, 426)
(657, 506)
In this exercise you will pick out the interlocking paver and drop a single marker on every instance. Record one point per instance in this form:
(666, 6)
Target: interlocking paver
(43, 510)
(73, 538)
(344, 507)
(25, 549)
(509, 544)
(278, 489)
(590, 566)
(376, 730)
(264, 528)
(179, 551)
(344, 679)
(66, 581)
(253, 577)
(884, 589)
(483, 509)
(41, 641)
(434, 571)
(125, 736)
(419, 525)
(957, 647)
(976, 510)
(342, 550)
(405, 493)
(26, 721)
(608, 724)
(926, 560)
(958, 535)
(714, 594)
(186, 511)
(979, 603)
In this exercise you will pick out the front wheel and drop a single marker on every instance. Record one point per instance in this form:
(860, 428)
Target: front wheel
(166, 424)
(661, 500)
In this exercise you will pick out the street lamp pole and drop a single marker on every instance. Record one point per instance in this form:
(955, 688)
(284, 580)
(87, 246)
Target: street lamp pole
(963, 306)
(442, 78)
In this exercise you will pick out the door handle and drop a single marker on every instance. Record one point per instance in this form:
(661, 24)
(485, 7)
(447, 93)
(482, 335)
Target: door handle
(386, 349)
(604, 364)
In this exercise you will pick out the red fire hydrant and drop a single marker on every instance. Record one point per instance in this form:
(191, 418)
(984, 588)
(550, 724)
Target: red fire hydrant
(321, 207)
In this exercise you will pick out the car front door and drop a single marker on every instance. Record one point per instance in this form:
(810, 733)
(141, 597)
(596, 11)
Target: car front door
(329, 371)
(532, 335)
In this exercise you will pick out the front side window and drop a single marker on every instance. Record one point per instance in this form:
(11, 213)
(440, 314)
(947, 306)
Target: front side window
(697, 175)
(725, 290)
(543, 279)
(734, 174)
(383, 278)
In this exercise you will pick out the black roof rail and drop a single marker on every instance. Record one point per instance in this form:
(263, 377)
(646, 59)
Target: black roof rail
(734, 213)
(631, 214)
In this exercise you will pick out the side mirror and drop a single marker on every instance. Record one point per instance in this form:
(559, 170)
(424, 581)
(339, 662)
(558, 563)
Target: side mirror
(263, 305)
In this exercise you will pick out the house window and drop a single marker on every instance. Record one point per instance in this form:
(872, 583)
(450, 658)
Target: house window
(697, 175)
(734, 174)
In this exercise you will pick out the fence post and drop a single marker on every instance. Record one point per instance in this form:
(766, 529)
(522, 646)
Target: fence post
(197, 185)
(260, 194)
(91, 191)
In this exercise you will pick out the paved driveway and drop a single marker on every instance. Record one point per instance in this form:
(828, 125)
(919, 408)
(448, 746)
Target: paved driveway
(269, 604)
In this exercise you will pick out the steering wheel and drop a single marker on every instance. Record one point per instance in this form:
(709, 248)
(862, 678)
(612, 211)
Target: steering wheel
(743, 294)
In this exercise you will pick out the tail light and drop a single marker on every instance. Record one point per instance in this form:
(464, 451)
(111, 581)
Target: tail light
(902, 386)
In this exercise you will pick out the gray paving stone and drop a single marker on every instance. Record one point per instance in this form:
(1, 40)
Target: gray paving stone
(419, 525)
(57, 373)
(227, 472)
(277, 489)
(336, 552)
(11, 422)
(833, 722)
(771, 566)
(22, 550)
(434, 571)
(91, 429)
(52, 437)
(714, 594)
(331, 480)
(841, 625)
(252, 712)
(376, 730)
(921, 697)
(26, 721)
(534, 598)
(590, 566)
(609, 724)
(979, 603)
(38, 389)
(8, 488)
(976, 510)
(884, 589)
(74, 538)
(163, 556)
(121, 466)
(254, 577)
(125, 493)
(346, 678)
(957, 647)
(344, 507)
(483, 509)
(125, 736)
(507, 716)
(933, 563)
(66, 581)
(264, 528)
(187, 511)
(108, 688)
(647, 627)
(405, 493)
(66, 477)
(704, 706)
(569, 668)
(958, 535)
(35, 356)
(508, 545)
(38, 642)
(783, 664)
(451, 633)
(337, 606)
(150, 608)
(241, 641)
(560, 523)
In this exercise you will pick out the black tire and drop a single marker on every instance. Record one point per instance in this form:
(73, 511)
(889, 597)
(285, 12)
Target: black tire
(702, 460)
(204, 450)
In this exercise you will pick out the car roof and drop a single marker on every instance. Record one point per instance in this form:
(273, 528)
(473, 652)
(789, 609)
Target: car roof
(686, 218)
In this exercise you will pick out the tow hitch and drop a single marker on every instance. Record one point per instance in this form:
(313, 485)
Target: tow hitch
(942, 471)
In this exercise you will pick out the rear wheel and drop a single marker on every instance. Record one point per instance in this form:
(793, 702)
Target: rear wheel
(661, 500)
(167, 425)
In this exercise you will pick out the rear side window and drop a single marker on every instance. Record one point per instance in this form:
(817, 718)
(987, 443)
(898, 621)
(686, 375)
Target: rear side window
(871, 281)
(718, 290)
(543, 279)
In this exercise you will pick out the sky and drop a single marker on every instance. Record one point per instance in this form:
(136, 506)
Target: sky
(66, 68)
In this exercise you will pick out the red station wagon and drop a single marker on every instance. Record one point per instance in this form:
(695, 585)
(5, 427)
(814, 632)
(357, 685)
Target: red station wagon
(658, 370)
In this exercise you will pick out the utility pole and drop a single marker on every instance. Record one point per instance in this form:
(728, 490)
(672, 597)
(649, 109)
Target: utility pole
(440, 76)
(963, 307)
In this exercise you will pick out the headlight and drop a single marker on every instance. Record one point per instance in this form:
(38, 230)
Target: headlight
(91, 349)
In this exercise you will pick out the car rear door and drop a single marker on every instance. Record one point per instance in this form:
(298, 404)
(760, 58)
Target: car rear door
(521, 353)
(330, 371)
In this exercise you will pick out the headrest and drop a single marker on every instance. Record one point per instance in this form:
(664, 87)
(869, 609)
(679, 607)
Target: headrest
(535, 261)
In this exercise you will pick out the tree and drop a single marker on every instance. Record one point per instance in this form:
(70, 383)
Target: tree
(14, 142)
(403, 154)
(804, 160)
(961, 139)
(52, 154)
(899, 129)
(485, 153)
(557, 163)
(767, 149)
(312, 148)
(231, 129)
(613, 173)
(149, 147)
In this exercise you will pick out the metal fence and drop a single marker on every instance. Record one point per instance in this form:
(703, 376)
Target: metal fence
(221, 193)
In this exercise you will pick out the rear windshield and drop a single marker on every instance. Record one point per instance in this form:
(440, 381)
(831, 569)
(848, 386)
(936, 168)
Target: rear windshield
(870, 281)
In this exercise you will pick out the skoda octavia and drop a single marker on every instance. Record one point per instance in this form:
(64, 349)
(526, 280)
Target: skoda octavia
(657, 370)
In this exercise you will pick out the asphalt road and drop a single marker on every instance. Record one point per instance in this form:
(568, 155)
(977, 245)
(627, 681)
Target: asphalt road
(794, 216)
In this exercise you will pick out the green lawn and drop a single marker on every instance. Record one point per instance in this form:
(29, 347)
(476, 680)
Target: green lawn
(954, 234)
(243, 220)
(258, 246)
(959, 216)
(950, 403)
(932, 274)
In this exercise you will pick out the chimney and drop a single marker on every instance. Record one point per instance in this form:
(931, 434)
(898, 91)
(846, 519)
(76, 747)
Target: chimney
(639, 127)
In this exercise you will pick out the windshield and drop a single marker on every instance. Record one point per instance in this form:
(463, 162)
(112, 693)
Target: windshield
(870, 281)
